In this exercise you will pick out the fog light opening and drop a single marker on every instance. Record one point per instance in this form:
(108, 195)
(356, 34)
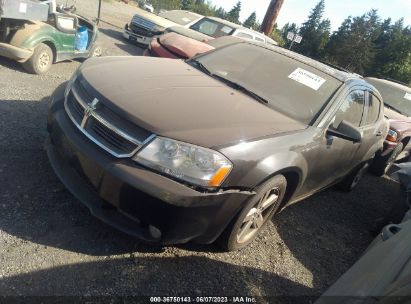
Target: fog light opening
(154, 232)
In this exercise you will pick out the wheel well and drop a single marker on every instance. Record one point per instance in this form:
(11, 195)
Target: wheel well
(293, 179)
(53, 48)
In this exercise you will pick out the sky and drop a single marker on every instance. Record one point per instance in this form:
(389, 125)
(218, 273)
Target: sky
(336, 10)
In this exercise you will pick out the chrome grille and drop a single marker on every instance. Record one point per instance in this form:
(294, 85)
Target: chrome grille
(136, 29)
(97, 123)
(143, 22)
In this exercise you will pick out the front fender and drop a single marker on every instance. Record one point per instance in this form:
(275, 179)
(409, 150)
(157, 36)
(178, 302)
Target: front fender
(255, 162)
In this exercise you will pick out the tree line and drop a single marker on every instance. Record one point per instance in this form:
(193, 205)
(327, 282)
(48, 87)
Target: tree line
(366, 44)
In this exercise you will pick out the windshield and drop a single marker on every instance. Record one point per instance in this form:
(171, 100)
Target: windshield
(287, 85)
(395, 96)
(212, 28)
(180, 17)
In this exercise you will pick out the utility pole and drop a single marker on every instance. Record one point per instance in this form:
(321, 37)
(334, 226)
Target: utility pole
(271, 16)
(99, 12)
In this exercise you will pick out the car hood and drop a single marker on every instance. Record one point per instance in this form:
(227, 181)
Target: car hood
(183, 46)
(170, 98)
(189, 33)
(395, 116)
(157, 20)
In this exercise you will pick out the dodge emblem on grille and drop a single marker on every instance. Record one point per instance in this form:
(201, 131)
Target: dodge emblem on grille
(88, 111)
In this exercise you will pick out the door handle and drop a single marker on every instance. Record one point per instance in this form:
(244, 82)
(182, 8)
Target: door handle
(378, 134)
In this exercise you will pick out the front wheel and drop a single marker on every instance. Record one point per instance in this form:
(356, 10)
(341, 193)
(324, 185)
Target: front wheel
(255, 215)
(41, 60)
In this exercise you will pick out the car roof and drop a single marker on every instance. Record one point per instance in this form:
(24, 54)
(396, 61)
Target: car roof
(341, 75)
(225, 22)
(181, 14)
(389, 83)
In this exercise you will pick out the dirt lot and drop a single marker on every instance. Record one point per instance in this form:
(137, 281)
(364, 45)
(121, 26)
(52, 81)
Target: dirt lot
(51, 245)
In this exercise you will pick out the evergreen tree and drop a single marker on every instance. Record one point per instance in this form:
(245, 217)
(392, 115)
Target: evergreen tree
(221, 13)
(250, 21)
(352, 46)
(315, 32)
(234, 14)
(186, 4)
(393, 52)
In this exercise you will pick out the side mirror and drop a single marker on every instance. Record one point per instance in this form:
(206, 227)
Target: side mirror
(347, 131)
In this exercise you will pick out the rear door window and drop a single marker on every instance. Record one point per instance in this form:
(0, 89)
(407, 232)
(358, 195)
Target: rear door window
(372, 111)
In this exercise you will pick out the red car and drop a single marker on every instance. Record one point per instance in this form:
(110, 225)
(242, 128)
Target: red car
(397, 102)
(175, 46)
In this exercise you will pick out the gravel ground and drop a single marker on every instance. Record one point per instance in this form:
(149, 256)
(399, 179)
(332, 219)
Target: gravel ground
(51, 245)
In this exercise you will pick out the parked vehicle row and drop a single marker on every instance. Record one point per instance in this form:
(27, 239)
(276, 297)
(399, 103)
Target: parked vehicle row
(144, 27)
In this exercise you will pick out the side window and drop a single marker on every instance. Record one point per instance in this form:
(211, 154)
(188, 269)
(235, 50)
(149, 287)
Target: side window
(243, 35)
(351, 110)
(259, 39)
(372, 109)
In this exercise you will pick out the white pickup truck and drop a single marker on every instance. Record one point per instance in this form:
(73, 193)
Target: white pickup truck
(145, 25)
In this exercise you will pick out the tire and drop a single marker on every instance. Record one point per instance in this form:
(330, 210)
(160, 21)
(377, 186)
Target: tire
(382, 164)
(353, 178)
(41, 60)
(254, 216)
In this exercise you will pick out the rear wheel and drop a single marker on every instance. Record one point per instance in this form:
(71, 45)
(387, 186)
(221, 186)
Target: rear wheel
(252, 219)
(382, 164)
(41, 60)
(352, 179)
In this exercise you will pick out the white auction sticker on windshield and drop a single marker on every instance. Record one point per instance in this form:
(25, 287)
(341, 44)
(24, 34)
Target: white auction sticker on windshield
(307, 78)
(407, 96)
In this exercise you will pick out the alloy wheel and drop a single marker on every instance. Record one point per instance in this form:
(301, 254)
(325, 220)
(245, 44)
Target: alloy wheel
(258, 215)
(44, 61)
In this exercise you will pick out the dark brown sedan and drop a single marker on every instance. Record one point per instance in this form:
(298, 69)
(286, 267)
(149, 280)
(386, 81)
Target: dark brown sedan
(209, 149)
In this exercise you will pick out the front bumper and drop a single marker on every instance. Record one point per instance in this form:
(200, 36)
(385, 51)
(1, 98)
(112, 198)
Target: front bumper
(131, 198)
(15, 53)
(133, 37)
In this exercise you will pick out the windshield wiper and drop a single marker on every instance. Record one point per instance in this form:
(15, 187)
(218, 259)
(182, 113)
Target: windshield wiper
(230, 83)
(241, 88)
(202, 67)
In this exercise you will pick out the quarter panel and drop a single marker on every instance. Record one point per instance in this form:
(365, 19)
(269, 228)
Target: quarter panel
(33, 34)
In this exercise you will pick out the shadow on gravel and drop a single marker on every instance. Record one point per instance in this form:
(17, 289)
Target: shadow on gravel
(121, 43)
(329, 241)
(139, 276)
(34, 205)
(11, 64)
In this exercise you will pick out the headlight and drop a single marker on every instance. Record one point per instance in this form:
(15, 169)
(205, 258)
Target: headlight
(187, 162)
(392, 136)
